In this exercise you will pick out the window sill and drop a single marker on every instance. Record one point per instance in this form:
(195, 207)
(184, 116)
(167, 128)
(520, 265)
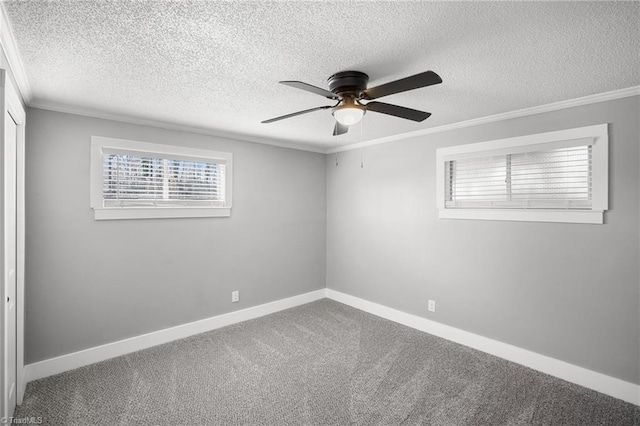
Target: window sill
(159, 213)
(531, 215)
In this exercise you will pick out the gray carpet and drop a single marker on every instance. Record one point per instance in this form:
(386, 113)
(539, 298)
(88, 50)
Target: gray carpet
(323, 363)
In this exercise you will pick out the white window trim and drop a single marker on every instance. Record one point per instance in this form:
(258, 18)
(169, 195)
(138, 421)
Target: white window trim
(551, 140)
(100, 144)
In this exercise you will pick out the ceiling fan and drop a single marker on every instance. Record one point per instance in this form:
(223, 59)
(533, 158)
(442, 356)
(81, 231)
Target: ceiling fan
(349, 88)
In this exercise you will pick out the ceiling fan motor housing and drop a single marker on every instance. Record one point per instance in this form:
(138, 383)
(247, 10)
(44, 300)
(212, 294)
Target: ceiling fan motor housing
(348, 82)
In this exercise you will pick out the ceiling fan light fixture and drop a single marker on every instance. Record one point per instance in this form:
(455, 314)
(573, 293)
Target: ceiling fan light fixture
(350, 87)
(349, 114)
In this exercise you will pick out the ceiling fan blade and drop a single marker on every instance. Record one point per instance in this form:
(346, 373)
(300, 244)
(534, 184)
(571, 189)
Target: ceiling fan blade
(409, 83)
(340, 129)
(398, 111)
(293, 114)
(310, 88)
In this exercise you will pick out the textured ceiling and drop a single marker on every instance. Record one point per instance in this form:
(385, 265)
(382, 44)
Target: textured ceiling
(216, 65)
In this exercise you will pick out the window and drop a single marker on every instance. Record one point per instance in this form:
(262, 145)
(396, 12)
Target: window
(550, 177)
(136, 180)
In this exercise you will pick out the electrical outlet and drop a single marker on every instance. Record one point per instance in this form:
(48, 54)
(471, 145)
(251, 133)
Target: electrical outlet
(432, 306)
(235, 296)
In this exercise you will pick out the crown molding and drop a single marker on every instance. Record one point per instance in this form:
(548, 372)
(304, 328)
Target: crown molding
(556, 106)
(86, 112)
(10, 49)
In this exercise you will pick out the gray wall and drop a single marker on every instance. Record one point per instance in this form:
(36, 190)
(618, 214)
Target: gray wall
(93, 282)
(569, 291)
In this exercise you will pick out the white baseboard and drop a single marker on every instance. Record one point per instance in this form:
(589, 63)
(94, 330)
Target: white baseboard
(49, 367)
(572, 373)
(608, 385)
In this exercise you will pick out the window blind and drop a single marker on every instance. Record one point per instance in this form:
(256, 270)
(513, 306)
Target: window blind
(146, 180)
(557, 178)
